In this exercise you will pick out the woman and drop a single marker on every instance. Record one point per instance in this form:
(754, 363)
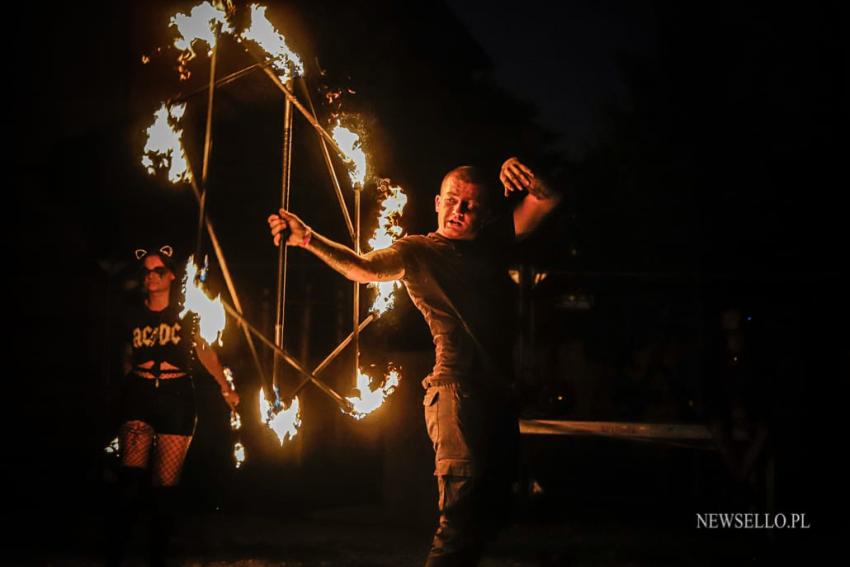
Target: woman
(158, 405)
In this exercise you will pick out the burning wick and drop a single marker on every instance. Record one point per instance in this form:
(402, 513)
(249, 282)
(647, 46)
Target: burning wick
(238, 454)
(235, 420)
(285, 422)
(355, 157)
(200, 25)
(392, 207)
(164, 144)
(263, 33)
(368, 400)
(210, 312)
(112, 448)
(235, 424)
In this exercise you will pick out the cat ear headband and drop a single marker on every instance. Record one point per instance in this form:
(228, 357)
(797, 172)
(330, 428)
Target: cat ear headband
(166, 251)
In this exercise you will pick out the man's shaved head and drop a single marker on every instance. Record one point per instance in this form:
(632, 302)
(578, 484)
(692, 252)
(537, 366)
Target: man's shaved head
(463, 203)
(468, 174)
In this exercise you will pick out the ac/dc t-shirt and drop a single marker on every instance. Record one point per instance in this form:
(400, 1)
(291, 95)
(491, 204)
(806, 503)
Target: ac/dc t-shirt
(452, 279)
(161, 336)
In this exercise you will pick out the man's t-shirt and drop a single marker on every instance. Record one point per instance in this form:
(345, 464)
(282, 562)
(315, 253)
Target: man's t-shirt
(451, 281)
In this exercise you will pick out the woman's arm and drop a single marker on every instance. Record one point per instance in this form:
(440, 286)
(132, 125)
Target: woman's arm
(209, 359)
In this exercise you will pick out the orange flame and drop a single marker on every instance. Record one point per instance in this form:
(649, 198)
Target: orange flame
(238, 454)
(263, 33)
(285, 422)
(112, 448)
(235, 419)
(355, 158)
(235, 423)
(388, 230)
(199, 25)
(368, 399)
(164, 146)
(210, 312)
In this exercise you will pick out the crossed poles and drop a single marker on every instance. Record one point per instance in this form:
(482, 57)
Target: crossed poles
(235, 309)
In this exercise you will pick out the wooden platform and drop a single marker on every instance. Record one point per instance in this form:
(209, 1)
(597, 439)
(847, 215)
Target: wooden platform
(618, 429)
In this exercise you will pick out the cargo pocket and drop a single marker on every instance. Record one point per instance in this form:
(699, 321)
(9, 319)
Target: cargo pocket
(430, 397)
(430, 404)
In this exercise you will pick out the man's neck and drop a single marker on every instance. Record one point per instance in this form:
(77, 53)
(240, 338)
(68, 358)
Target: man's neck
(454, 238)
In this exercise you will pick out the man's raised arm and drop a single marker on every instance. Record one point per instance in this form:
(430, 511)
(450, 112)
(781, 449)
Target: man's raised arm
(378, 266)
(539, 201)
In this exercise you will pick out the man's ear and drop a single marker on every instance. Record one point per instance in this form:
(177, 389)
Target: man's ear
(437, 203)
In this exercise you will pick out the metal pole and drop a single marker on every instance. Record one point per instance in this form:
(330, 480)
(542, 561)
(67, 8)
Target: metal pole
(297, 104)
(329, 164)
(283, 251)
(228, 279)
(343, 403)
(332, 356)
(358, 189)
(202, 209)
(226, 80)
(335, 352)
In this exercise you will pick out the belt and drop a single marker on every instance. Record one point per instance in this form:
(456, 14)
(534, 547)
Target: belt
(156, 374)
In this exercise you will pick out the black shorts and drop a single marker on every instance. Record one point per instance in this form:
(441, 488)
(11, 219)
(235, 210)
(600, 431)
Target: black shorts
(168, 407)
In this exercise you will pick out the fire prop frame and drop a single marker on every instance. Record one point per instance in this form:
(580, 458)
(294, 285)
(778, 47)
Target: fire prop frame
(280, 65)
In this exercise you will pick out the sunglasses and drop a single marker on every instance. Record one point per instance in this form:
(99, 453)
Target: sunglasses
(159, 270)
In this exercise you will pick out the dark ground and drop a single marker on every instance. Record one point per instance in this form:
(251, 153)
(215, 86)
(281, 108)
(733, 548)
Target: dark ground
(362, 537)
(603, 502)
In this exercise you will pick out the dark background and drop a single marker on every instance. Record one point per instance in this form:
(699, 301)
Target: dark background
(699, 152)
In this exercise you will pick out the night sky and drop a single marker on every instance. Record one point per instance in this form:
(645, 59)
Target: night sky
(698, 147)
(576, 46)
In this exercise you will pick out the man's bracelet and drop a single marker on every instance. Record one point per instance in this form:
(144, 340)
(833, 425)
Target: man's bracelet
(307, 236)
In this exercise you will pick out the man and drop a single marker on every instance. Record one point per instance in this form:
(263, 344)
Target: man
(457, 277)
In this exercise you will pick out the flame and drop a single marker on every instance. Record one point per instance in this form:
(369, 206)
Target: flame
(235, 419)
(384, 296)
(228, 375)
(355, 158)
(392, 207)
(262, 32)
(112, 448)
(235, 423)
(388, 230)
(199, 25)
(164, 147)
(285, 422)
(368, 399)
(238, 454)
(210, 312)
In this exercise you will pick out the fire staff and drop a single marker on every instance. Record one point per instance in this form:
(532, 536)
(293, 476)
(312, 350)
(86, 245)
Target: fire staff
(457, 278)
(157, 404)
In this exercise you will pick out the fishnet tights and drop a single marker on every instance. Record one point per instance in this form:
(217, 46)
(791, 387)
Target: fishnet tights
(169, 451)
